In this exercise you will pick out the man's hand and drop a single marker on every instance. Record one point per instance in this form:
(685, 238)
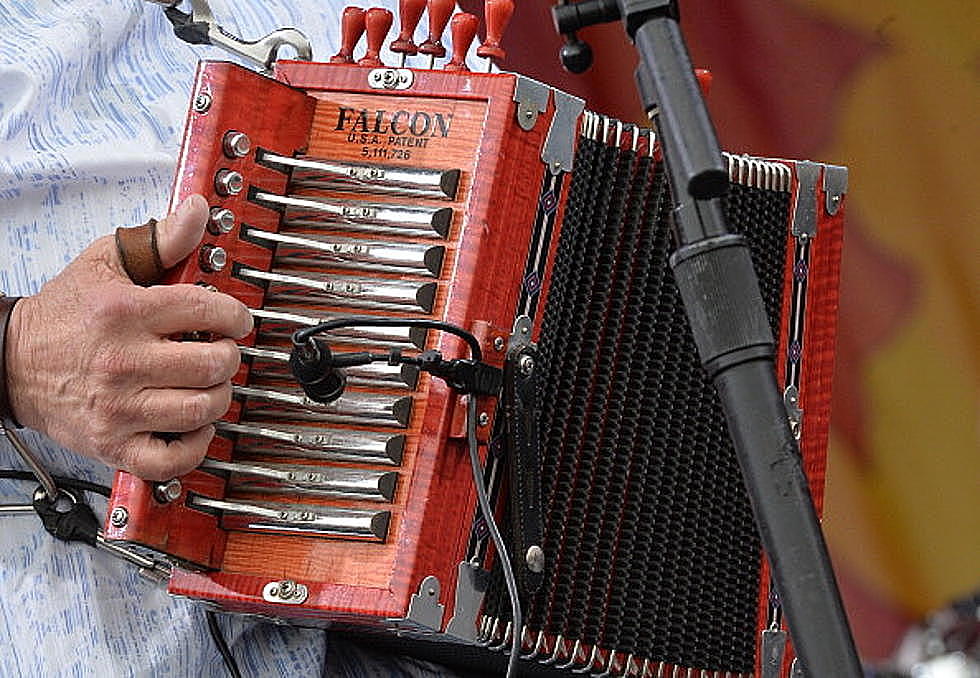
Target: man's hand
(90, 364)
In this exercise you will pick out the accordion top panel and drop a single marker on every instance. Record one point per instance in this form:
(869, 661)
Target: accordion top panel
(391, 205)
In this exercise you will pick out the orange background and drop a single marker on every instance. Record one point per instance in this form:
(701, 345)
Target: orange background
(890, 89)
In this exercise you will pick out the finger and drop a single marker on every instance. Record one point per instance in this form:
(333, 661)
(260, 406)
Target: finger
(188, 364)
(178, 409)
(153, 458)
(180, 232)
(171, 309)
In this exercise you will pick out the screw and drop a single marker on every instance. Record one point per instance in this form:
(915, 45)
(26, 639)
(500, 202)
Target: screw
(222, 220)
(526, 364)
(228, 182)
(236, 144)
(168, 491)
(287, 588)
(498, 344)
(119, 517)
(483, 419)
(535, 559)
(213, 259)
(202, 102)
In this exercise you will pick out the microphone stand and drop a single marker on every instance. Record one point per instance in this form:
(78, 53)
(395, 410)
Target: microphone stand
(721, 296)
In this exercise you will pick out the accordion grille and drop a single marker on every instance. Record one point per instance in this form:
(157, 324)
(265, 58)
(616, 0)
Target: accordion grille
(651, 548)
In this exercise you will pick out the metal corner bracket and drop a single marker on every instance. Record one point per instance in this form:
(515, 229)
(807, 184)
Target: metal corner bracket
(531, 98)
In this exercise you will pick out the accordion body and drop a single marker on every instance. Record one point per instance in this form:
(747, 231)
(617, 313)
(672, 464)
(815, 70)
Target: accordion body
(501, 205)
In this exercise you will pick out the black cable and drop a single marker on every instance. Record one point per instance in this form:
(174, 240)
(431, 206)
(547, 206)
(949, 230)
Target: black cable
(219, 640)
(86, 486)
(498, 541)
(61, 481)
(301, 337)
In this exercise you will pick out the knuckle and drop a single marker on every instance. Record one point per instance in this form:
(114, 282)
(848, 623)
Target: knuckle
(103, 424)
(113, 305)
(205, 406)
(202, 307)
(113, 365)
(194, 410)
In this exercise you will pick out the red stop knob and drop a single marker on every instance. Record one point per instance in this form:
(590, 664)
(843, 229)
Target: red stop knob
(351, 30)
(463, 28)
(704, 80)
(409, 14)
(497, 14)
(378, 21)
(439, 12)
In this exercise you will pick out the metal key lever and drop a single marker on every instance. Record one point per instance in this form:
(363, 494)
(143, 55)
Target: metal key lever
(199, 28)
(16, 508)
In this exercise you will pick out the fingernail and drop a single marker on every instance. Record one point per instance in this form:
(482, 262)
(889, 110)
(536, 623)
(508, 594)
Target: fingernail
(249, 324)
(185, 206)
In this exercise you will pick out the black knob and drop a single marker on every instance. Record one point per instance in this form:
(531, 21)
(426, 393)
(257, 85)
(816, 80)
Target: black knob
(576, 55)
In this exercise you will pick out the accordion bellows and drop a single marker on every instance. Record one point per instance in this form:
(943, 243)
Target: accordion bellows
(478, 200)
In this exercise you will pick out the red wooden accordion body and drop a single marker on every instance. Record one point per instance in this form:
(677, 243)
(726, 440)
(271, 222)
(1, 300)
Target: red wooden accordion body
(500, 205)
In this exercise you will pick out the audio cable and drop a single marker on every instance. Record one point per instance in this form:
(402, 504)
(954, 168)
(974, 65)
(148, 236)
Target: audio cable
(317, 370)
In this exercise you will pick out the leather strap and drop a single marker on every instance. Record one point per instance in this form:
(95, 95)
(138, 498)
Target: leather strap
(6, 310)
(524, 453)
(139, 254)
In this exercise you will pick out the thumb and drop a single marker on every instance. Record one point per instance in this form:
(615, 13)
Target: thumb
(179, 233)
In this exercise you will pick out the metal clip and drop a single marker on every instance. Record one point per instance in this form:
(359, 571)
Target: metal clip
(773, 648)
(285, 591)
(424, 607)
(199, 28)
(558, 151)
(532, 99)
(791, 401)
(834, 186)
(390, 78)
(471, 585)
(805, 212)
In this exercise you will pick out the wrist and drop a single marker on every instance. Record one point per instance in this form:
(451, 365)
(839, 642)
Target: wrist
(7, 309)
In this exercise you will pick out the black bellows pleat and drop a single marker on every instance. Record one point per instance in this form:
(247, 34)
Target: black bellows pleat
(650, 544)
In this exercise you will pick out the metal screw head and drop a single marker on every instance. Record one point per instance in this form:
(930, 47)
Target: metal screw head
(202, 102)
(498, 344)
(213, 259)
(228, 182)
(483, 419)
(526, 363)
(119, 517)
(222, 220)
(168, 491)
(236, 144)
(535, 559)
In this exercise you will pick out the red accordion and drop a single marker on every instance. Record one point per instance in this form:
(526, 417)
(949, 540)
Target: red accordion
(500, 205)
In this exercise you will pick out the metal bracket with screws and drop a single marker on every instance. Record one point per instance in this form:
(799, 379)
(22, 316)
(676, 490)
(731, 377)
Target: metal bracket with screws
(285, 591)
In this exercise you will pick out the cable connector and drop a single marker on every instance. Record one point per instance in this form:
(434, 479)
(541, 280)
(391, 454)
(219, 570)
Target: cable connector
(466, 376)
